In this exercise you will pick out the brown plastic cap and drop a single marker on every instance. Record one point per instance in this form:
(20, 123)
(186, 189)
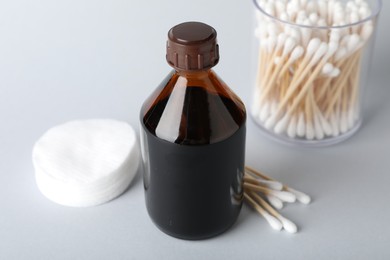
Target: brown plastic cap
(192, 46)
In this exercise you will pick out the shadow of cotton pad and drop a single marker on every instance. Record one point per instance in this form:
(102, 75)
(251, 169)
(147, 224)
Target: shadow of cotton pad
(86, 162)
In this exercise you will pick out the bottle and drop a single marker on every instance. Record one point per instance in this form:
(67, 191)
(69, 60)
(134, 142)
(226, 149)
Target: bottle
(193, 140)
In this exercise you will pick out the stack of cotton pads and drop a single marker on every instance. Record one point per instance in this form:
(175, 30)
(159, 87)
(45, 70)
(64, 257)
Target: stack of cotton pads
(86, 162)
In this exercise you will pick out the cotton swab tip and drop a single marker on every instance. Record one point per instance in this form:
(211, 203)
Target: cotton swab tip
(272, 30)
(367, 31)
(264, 113)
(281, 126)
(295, 34)
(354, 17)
(269, 124)
(273, 222)
(353, 42)
(274, 201)
(292, 127)
(364, 12)
(284, 195)
(301, 197)
(301, 129)
(313, 18)
(288, 225)
(309, 131)
(332, 48)
(296, 53)
(281, 40)
(275, 185)
(284, 17)
(335, 73)
(320, 52)
(340, 54)
(312, 46)
(327, 69)
(271, 42)
(335, 36)
(277, 60)
(288, 46)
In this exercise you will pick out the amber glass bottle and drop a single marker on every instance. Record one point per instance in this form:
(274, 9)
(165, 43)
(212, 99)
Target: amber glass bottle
(193, 141)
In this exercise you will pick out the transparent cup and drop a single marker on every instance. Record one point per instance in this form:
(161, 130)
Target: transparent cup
(312, 62)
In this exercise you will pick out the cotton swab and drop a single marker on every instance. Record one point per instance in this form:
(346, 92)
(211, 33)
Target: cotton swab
(300, 196)
(275, 185)
(292, 127)
(272, 221)
(274, 201)
(289, 44)
(254, 196)
(287, 224)
(314, 51)
(301, 125)
(282, 195)
(322, 50)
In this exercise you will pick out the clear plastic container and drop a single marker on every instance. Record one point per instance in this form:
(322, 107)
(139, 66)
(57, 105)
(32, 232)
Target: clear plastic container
(312, 61)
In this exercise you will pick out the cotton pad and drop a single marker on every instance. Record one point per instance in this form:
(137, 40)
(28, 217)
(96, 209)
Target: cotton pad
(86, 162)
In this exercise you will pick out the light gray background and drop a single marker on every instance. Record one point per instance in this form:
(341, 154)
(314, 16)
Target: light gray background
(64, 60)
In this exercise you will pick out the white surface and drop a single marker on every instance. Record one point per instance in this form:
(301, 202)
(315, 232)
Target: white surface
(64, 60)
(85, 163)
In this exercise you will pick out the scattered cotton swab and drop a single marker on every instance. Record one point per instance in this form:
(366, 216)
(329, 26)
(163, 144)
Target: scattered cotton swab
(301, 197)
(275, 202)
(260, 175)
(287, 224)
(284, 196)
(272, 221)
(275, 185)
(255, 192)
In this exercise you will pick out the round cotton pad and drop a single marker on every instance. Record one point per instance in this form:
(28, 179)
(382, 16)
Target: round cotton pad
(86, 162)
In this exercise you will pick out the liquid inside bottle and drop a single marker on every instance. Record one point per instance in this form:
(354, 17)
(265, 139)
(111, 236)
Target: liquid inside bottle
(193, 144)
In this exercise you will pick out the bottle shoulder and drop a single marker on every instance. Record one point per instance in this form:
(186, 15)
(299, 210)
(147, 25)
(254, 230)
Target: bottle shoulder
(193, 109)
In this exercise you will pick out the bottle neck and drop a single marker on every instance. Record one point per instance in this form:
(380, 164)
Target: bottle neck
(194, 74)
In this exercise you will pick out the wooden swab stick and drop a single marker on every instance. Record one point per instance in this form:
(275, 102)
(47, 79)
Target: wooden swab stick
(257, 173)
(354, 96)
(328, 53)
(309, 119)
(261, 65)
(301, 197)
(288, 225)
(344, 105)
(265, 183)
(276, 52)
(311, 51)
(296, 54)
(282, 195)
(272, 221)
(299, 77)
(340, 82)
(280, 67)
(318, 130)
(324, 123)
(330, 102)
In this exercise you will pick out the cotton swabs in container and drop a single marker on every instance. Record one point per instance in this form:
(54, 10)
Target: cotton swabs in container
(259, 188)
(312, 59)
